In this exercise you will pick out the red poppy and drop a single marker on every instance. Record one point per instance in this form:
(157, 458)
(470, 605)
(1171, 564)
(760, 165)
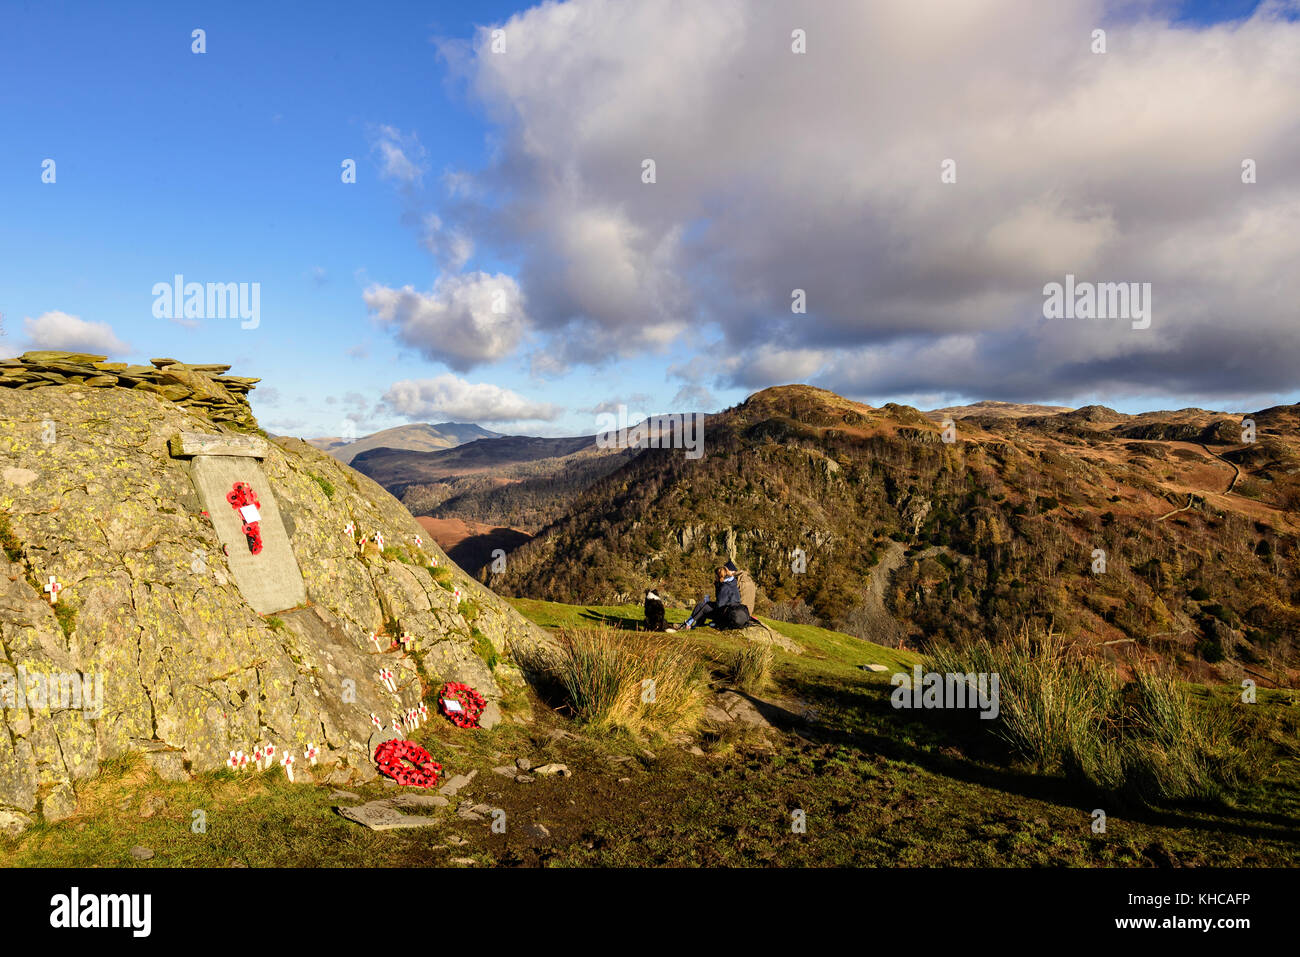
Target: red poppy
(389, 756)
(240, 496)
(470, 701)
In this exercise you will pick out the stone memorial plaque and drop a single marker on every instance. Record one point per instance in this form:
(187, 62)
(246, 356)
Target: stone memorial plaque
(270, 580)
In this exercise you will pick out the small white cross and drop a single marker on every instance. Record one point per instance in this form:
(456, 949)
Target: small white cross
(53, 589)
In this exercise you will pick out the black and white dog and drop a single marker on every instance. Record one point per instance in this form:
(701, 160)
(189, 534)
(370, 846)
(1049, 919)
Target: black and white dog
(654, 611)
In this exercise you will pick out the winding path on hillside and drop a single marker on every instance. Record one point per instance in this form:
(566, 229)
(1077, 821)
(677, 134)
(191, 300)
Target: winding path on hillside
(1236, 472)
(1191, 500)
(1204, 493)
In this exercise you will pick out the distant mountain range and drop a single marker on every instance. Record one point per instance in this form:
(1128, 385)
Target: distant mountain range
(422, 437)
(397, 469)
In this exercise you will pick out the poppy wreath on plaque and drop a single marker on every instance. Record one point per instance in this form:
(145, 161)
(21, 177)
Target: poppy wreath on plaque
(390, 755)
(244, 501)
(461, 704)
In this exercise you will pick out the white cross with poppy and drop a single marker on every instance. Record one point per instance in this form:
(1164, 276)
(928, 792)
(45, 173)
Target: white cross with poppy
(350, 528)
(406, 639)
(374, 638)
(379, 540)
(419, 542)
(233, 761)
(374, 719)
(52, 589)
(312, 753)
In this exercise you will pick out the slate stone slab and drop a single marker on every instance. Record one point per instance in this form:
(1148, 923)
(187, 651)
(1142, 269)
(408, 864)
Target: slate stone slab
(270, 581)
(456, 783)
(382, 816)
(419, 800)
(186, 444)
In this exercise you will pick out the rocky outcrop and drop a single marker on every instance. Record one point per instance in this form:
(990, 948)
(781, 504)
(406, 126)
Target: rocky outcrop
(202, 388)
(921, 436)
(150, 645)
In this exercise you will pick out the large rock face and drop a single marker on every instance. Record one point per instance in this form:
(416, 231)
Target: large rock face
(149, 611)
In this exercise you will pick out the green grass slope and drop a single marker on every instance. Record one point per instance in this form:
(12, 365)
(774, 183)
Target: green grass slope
(873, 786)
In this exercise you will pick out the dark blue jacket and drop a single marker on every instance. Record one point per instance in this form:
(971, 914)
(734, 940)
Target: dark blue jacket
(728, 592)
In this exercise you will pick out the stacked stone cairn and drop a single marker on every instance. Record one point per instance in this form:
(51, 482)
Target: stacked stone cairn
(203, 388)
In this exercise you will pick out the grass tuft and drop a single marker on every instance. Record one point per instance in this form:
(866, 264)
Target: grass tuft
(325, 484)
(614, 679)
(1065, 712)
(13, 548)
(67, 616)
(751, 667)
(484, 649)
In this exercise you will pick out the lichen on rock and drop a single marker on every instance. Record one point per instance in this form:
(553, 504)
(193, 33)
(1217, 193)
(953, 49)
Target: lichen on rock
(91, 495)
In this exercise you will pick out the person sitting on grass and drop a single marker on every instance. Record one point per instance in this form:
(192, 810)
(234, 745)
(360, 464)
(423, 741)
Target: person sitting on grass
(725, 610)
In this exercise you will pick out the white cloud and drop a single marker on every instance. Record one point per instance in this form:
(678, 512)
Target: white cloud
(694, 398)
(401, 157)
(63, 332)
(463, 321)
(448, 397)
(450, 247)
(637, 400)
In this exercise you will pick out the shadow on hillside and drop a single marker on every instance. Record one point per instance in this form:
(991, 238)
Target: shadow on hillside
(475, 552)
(613, 621)
(1055, 790)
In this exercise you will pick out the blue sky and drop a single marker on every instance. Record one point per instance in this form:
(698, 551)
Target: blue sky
(225, 167)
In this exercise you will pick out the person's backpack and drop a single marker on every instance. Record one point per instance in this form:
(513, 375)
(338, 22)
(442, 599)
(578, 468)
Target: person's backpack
(748, 590)
(731, 616)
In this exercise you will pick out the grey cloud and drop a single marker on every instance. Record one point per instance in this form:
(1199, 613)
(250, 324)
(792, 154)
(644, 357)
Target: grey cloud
(820, 171)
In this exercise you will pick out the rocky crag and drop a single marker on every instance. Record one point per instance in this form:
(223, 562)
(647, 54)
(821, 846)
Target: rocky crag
(150, 645)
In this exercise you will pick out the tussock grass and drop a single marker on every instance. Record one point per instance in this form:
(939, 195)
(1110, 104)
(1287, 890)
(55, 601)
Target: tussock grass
(614, 679)
(1066, 712)
(483, 647)
(326, 486)
(751, 667)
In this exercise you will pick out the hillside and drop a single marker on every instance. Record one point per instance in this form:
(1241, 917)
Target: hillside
(935, 542)
(992, 409)
(418, 437)
(472, 545)
(191, 639)
(518, 481)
